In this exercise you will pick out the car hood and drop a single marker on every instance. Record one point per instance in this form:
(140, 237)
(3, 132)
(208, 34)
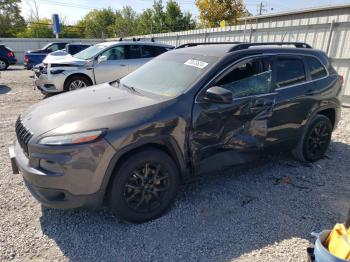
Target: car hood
(96, 107)
(66, 59)
(39, 51)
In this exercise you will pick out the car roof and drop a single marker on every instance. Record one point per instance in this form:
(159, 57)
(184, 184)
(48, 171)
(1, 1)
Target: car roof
(115, 43)
(221, 50)
(218, 50)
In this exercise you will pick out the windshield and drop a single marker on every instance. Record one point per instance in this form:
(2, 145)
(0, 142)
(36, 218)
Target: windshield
(46, 46)
(89, 52)
(169, 74)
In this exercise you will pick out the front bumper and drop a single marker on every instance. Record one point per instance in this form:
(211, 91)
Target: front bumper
(65, 177)
(49, 84)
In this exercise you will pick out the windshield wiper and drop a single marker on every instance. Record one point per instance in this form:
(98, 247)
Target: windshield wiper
(131, 88)
(115, 83)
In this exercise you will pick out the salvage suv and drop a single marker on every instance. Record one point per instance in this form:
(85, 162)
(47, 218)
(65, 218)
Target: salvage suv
(97, 64)
(130, 142)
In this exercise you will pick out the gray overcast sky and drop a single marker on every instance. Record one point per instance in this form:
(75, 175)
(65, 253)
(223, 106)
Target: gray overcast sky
(74, 10)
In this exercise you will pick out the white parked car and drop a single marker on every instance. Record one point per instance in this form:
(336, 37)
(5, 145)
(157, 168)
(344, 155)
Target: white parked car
(97, 64)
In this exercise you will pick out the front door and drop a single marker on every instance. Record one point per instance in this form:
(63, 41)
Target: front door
(227, 134)
(114, 68)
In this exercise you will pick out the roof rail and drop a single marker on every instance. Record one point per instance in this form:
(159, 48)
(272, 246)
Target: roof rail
(210, 43)
(242, 46)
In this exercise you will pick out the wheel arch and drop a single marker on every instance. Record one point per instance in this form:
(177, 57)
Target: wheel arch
(329, 113)
(165, 144)
(75, 75)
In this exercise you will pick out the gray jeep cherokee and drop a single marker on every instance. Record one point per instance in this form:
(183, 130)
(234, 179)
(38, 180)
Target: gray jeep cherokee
(130, 142)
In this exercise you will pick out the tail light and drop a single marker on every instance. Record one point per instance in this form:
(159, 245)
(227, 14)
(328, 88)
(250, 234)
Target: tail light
(10, 54)
(26, 59)
(341, 80)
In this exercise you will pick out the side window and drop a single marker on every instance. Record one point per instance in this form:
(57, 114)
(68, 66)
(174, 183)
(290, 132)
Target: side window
(317, 70)
(134, 52)
(115, 53)
(61, 46)
(252, 77)
(52, 48)
(290, 71)
(152, 51)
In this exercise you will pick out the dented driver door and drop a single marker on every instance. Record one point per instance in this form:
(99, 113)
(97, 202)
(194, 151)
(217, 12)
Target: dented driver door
(233, 133)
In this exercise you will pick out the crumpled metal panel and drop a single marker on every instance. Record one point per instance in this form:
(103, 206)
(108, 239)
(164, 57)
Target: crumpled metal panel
(238, 127)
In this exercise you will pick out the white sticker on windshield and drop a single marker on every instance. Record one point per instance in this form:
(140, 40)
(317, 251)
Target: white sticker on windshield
(196, 63)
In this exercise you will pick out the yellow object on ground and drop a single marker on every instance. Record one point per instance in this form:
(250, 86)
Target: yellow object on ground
(338, 243)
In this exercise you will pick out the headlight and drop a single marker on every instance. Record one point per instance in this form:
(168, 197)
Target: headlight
(56, 72)
(72, 139)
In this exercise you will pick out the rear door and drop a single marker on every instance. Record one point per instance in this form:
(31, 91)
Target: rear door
(138, 55)
(226, 134)
(115, 67)
(294, 100)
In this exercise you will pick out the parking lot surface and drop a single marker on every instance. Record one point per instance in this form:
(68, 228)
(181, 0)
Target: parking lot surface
(261, 212)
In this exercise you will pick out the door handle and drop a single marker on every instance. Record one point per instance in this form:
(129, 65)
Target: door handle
(262, 103)
(122, 64)
(310, 92)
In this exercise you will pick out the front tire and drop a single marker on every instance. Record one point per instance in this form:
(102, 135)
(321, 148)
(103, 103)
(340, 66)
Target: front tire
(144, 186)
(3, 65)
(315, 141)
(76, 82)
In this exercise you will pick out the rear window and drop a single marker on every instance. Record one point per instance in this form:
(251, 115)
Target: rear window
(290, 71)
(152, 51)
(317, 70)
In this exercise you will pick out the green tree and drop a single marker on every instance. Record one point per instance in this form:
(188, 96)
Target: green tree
(125, 22)
(158, 17)
(37, 29)
(175, 20)
(173, 16)
(11, 20)
(145, 22)
(213, 11)
(98, 23)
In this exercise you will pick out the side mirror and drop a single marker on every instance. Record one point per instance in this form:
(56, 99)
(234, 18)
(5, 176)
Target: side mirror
(217, 94)
(102, 59)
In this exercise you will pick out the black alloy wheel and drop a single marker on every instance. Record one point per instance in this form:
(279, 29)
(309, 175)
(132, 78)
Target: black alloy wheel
(318, 140)
(144, 186)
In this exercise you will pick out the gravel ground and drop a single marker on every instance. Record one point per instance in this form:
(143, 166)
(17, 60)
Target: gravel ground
(264, 212)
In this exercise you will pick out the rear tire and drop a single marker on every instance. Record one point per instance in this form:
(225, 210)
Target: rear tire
(76, 82)
(3, 64)
(315, 140)
(144, 186)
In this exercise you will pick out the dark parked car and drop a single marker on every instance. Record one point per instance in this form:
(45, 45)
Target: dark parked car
(7, 57)
(75, 48)
(130, 142)
(34, 57)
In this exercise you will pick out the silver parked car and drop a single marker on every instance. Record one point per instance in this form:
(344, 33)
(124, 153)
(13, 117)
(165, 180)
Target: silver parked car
(97, 64)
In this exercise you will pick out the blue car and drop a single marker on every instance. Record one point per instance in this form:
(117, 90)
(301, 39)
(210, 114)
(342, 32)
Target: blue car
(7, 57)
(32, 58)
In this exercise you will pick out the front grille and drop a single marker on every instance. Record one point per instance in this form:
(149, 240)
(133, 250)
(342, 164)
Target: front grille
(23, 135)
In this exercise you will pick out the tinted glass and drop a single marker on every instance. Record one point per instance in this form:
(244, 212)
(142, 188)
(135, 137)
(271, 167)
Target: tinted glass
(52, 48)
(169, 74)
(152, 51)
(290, 71)
(252, 77)
(115, 53)
(134, 52)
(317, 70)
(62, 45)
